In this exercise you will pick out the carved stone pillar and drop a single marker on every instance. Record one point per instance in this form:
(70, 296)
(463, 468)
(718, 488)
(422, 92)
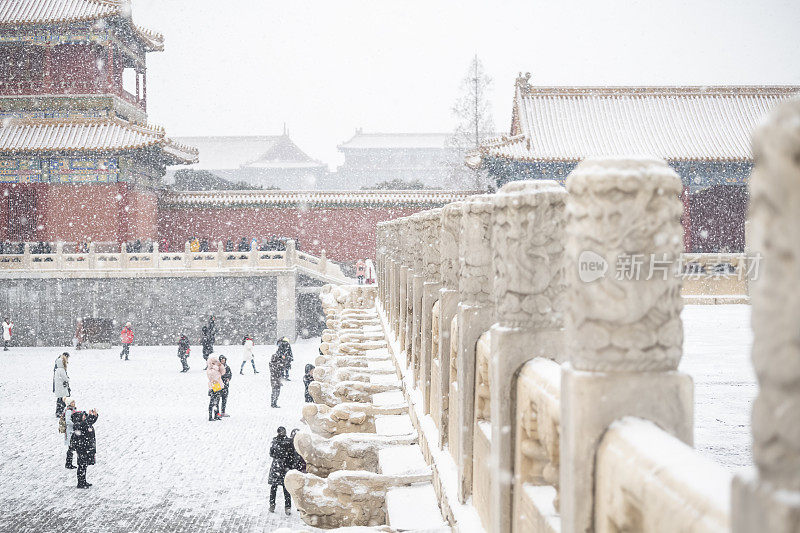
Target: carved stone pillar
(769, 499)
(418, 280)
(475, 317)
(623, 327)
(528, 248)
(380, 254)
(403, 256)
(431, 258)
(450, 236)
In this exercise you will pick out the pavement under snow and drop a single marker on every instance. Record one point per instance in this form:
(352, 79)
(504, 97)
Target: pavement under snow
(161, 466)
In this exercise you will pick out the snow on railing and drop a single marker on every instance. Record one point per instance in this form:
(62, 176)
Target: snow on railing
(60, 260)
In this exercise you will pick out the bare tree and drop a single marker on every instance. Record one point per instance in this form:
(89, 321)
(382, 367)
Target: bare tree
(474, 125)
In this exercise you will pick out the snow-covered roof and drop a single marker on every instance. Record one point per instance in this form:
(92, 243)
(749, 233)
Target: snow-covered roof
(320, 198)
(30, 12)
(235, 152)
(674, 123)
(92, 135)
(389, 141)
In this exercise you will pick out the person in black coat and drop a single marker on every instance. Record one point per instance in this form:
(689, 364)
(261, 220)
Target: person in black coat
(308, 377)
(183, 352)
(226, 381)
(285, 352)
(282, 453)
(208, 344)
(84, 443)
(275, 377)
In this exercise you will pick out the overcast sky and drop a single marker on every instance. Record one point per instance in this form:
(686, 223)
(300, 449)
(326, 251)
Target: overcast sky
(246, 67)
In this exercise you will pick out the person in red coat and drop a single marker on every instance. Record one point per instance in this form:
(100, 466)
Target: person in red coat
(126, 336)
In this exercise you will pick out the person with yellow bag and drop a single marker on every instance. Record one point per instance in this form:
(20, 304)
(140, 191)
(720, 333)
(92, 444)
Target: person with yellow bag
(214, 372)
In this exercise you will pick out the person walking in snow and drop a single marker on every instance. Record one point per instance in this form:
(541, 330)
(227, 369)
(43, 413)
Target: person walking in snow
(84, 442)
(212, 330)
(285, 353)
(183, 352)
(61, 382)
(8, 325)
(247, 342)
(208, 344)
(361, 268)
(298, 463)
(369, 272)
(80, 335)
(126, 336)
(308, 377)
(69, 429)
(214, 371)
(276, 370)
(282, 453)
(226, 381)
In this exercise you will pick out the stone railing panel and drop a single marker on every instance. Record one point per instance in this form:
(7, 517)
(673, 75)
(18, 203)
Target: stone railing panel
(647, 480)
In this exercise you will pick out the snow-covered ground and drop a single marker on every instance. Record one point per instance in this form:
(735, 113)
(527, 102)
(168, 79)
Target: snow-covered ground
(716, 353)
(161, 465)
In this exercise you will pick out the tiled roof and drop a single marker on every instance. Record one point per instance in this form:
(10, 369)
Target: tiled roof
(323, 198)
(100, 135)
(396, 141)
(24, 12)
(674, 123)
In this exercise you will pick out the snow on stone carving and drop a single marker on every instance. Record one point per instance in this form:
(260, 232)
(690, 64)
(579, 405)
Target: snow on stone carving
(475, 252)
(482, 384)
(432, 233)
(345, 498)
(775, 217)
(450, 235)
(351, 451)
(528, 244)
(620, 209)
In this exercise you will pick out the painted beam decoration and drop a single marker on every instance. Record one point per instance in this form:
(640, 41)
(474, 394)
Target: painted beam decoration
(56, 34)
(59, 170)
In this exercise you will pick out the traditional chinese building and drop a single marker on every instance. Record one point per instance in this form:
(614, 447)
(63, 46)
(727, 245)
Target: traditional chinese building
(78, 159)
(372, 158)
(262, 161)
(702, 132)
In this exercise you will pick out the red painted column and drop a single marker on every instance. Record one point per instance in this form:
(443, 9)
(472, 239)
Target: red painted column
(110, 68)
(48, 69)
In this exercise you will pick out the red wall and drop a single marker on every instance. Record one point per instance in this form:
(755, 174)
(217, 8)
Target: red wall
(345, 233)
(91, 212)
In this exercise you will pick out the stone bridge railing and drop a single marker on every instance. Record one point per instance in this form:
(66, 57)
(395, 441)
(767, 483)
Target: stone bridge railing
(545, 387)
(123, 261)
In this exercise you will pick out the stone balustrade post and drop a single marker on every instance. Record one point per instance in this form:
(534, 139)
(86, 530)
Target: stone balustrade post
(623, 330)
(449, 238)
(60, 255)
(92, 256)
(187, 254)
(432, 282)
(27, 260)
(123, 256)
(290, 253)
(220, 255)
(394, 284)
(156, 256)
(528, 257)
(252, 256)
(323, 262)
(417, 280)
(475, 317)
(768, 499)
(403, 278)
(380, 254)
